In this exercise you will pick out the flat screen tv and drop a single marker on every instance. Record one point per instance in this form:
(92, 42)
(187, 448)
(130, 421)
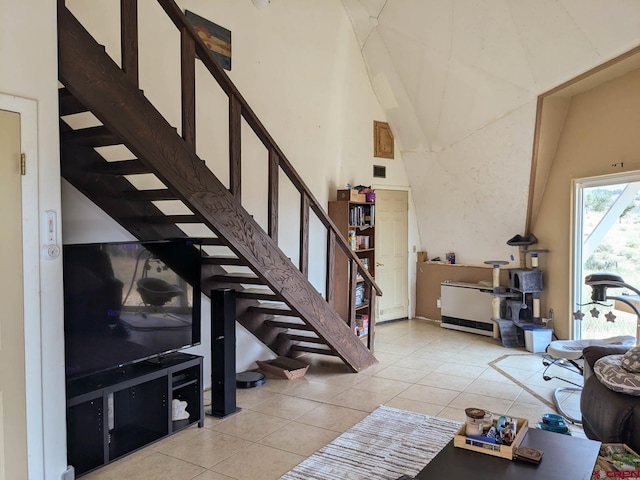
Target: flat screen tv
(129, 302)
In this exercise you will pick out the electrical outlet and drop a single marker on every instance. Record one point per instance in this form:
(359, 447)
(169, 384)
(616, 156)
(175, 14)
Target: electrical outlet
(438, 303)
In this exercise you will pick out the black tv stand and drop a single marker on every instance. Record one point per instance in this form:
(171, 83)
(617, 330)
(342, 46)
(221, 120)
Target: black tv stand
(114, 413)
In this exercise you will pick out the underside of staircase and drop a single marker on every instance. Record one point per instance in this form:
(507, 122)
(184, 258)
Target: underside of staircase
(275, 300)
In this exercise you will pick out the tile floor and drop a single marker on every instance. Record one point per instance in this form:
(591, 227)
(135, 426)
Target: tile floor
(422, 368)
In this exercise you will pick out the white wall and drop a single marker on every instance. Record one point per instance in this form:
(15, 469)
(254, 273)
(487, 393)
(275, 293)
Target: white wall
(29, 69)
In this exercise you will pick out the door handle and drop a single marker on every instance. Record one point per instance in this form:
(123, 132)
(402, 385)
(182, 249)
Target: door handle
(378, 264)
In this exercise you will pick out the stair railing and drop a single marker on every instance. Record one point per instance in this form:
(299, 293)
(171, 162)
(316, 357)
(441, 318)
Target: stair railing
(192, 48)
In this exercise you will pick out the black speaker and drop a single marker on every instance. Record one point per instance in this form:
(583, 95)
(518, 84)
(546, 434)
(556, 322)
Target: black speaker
(223, 353)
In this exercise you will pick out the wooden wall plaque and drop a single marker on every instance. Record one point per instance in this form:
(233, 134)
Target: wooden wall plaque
(382, 140)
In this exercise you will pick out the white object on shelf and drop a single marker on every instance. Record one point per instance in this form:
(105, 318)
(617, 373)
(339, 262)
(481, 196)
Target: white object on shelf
(179, 410)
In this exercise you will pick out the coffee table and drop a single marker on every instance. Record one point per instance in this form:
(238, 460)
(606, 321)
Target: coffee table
(564, 457)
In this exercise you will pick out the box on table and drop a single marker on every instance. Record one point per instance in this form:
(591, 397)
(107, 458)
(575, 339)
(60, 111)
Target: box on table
(505, 451)
(284, 367)
(608, 465)
(422, 256)
(352, 195)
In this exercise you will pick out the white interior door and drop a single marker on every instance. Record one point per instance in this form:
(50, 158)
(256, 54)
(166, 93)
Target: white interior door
(392, 252)
(13, 426)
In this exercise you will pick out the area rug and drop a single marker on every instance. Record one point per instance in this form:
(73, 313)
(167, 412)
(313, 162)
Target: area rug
(383, 446)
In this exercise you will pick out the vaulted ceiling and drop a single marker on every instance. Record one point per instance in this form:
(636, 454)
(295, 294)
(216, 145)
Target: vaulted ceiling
(446, 68)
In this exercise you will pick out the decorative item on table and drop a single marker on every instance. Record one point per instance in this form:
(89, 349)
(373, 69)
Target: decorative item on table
(475, 419)
(616, 460)
(553, 422)
(451, 258)
(498, 437)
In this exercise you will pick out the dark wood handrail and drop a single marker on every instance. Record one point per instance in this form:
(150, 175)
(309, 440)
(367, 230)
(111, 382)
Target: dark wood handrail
(237, 102)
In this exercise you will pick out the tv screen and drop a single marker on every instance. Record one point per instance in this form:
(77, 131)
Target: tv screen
(128, 302)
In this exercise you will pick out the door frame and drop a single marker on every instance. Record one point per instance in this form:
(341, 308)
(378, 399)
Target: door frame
(576, 234)
(411, 272)
(28, 110)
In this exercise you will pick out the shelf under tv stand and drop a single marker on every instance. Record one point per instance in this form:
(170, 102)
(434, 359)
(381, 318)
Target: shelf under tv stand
(113, 413)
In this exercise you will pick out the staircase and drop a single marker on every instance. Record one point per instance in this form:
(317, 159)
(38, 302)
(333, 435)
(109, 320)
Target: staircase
(275, 300)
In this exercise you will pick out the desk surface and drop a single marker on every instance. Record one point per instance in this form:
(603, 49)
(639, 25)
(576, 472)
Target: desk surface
(564, 457)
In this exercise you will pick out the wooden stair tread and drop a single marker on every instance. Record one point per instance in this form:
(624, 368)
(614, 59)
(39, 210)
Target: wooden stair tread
(123, 167)
(249, 278)
(165, 219)
(289, 325)
(296, 337)
(257, 294)
(99, 136)
(222, 260)
(306, 349)
(148, 195)
(212, 241)
(274, 309)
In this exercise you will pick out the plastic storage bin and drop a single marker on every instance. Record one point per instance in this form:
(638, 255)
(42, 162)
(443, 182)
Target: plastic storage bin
(536, 338)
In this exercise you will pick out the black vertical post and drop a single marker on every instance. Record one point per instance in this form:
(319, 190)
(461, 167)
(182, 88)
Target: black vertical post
(223, 353)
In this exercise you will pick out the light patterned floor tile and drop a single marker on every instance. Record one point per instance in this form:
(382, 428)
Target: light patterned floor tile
(258, 462)
(285, 406)
(203, 447)
(360, 399)
(429, 394)
(402, 374)
(299, 438)
(250, 425)
(333, 417)
(449, 382)
(415, 406)
(385, 386)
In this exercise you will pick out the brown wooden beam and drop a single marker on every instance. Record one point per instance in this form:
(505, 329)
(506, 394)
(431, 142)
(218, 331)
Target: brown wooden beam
(235, 152)
(274, 180)
(68, 104)
(353, 283)
(129, 39)
(304, 235)
(188, 82)
(372, 320)
(331, 263)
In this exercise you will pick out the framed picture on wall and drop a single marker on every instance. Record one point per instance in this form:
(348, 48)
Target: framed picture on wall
(216, 38)
(382, 140)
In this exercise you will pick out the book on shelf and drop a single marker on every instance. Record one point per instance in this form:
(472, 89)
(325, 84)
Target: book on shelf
(362, 215)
